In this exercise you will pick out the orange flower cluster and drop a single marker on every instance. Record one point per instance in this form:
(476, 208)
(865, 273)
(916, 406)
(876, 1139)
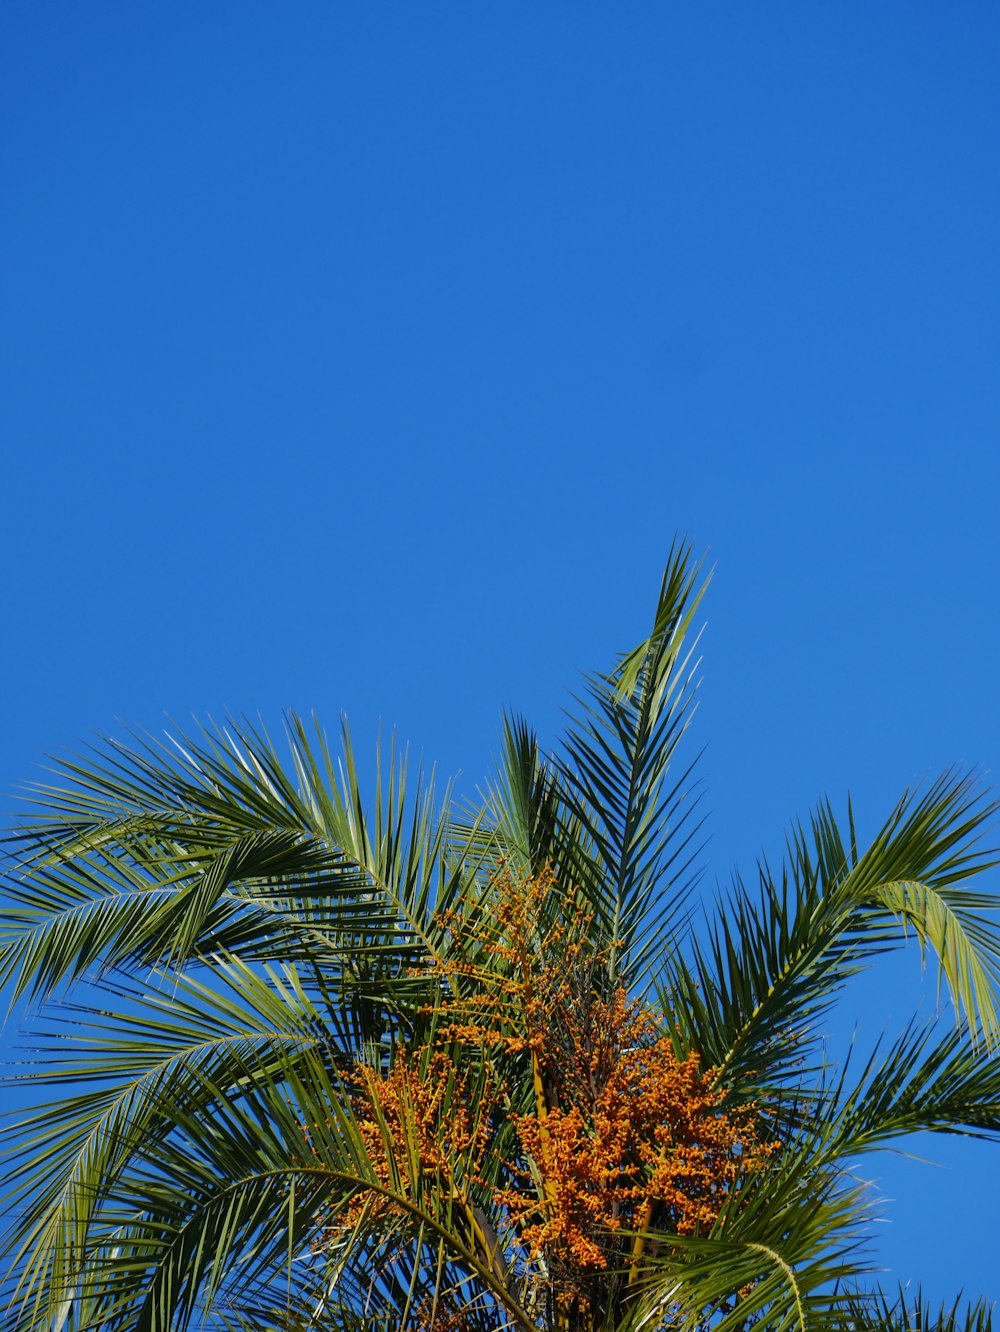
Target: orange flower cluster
(446, 1313)
(634, 1134)
(419, 1125)
(506, 952)
(624, 1133)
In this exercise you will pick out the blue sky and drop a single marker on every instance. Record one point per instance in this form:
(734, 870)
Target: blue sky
(368, 357)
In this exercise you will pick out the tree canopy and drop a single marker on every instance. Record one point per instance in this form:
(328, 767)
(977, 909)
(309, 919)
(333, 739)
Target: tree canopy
(323, 1061)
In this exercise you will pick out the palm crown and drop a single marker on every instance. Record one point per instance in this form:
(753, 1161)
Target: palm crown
(343, 1065)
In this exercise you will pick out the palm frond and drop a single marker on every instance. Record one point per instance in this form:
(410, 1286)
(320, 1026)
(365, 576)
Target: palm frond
(752, 995)
(617, 771)
(241, 861)
(778, 1251)
(924, 1083)
(209, 1165)
(910, 1311)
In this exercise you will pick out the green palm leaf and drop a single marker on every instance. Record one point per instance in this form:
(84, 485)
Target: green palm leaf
(617, 769)
(751, 996)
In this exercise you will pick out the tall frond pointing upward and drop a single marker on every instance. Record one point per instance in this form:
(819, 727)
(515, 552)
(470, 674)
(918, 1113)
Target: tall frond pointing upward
(618, 773)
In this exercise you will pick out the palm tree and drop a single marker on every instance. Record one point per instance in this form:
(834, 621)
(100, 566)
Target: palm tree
(329, 1064)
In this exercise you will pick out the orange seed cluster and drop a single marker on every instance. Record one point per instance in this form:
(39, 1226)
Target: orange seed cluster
(624, 1132)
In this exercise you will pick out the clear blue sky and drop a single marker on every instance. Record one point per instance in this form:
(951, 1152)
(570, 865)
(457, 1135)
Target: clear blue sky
(368, 357)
